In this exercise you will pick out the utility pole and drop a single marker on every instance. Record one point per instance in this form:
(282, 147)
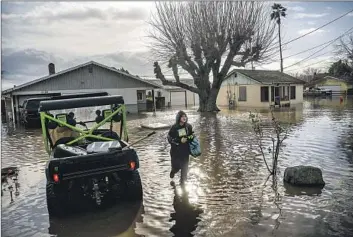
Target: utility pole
(278, 12)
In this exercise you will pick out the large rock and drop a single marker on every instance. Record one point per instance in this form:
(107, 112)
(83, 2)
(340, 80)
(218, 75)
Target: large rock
(304, 176)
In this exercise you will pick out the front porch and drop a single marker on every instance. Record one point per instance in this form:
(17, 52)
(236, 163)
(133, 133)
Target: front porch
(281, 95)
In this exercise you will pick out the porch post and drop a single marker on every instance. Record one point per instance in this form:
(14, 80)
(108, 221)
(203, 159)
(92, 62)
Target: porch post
(17, 109)
(12, 109)
(186, 99)
(289, 93)
(154, 103)
(269, 95)
(170, 98)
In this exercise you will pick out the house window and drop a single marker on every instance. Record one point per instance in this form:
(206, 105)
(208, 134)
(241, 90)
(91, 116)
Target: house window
(264, 94)
(292, 92)
(242, 93)
(139, 96)
(159, 94)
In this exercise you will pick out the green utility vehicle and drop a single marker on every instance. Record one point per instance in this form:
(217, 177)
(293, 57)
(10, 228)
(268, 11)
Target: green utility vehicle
(88, 164)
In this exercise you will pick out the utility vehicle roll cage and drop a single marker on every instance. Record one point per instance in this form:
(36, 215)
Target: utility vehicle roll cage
(117, 106)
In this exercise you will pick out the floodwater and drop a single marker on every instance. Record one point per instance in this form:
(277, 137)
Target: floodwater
(228, 192)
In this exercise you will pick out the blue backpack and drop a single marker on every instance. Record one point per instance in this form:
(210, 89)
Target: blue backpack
(195, 148)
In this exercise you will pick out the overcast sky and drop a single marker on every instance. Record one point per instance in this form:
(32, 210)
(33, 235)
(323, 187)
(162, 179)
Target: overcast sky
(114, 34)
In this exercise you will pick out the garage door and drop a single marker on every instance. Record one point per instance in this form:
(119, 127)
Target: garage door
(178, 98)
(333, 88)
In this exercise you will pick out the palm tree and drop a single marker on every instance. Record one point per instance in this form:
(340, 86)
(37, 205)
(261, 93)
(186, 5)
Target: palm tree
(278, 12)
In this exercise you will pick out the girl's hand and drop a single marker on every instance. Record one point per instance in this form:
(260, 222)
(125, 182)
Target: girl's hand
(184, 139)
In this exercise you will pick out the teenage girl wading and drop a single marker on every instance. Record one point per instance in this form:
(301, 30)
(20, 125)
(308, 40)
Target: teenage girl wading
(179, 137)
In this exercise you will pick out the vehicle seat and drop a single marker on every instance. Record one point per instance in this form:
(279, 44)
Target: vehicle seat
(62, 134)
(107, 112)
(104, 133)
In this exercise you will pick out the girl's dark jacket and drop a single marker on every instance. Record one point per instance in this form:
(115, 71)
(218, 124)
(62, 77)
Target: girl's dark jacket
(176, 132)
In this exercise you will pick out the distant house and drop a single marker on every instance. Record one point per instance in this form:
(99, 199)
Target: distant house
(260, 88)
(176, 96)
(87, 77)
(337, 85)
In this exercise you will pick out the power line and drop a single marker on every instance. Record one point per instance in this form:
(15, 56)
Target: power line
(307, 59)
(318, 28)
(310, 64)
(347, 32)
(290, 41)
(332, 41)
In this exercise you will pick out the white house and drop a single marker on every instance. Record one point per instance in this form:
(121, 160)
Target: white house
(260, 88)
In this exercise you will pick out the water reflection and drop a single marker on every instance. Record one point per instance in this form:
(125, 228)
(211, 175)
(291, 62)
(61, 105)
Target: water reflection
(186, 216)
(117, 220)
(293, 191)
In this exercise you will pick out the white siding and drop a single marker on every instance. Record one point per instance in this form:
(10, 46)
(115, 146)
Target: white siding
(240, 80)
(299, 90)
(253, 96)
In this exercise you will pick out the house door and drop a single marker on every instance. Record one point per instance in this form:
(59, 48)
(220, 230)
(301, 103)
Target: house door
(275, 95)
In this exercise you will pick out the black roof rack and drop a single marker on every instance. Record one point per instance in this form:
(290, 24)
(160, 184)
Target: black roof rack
(38, 98)
(80, 102)
(79, 95)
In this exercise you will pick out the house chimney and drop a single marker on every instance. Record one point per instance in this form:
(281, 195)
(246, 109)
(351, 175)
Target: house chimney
(51, 67)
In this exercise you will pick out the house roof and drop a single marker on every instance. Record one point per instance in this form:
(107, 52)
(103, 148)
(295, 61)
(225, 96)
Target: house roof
(319, 80)
(189, 82)
(74, 68)
(267, 77)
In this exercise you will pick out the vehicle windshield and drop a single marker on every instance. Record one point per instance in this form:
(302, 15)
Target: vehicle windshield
(85, 118)
(86, 114)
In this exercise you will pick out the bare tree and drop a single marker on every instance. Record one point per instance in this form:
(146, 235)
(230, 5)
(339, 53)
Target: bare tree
(278, 12)
(278, 136)
(204, 37)
(308, 74)
(345, 47)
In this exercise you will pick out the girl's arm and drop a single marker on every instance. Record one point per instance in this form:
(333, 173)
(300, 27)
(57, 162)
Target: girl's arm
(171, 136)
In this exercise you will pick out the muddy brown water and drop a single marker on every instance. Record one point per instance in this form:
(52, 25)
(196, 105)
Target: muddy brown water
(227, 193)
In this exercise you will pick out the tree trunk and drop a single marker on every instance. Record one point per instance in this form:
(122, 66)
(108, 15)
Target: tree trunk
(208, 103)
(280, 45)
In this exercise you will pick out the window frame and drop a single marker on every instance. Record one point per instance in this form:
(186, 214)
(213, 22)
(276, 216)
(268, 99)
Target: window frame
(293, 96)
(139, 93)
(268, 94)
(239, 97)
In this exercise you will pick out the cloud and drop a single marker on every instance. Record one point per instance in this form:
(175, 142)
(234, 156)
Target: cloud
(305, 31)
(21, 66)
(79, 28)
(350, 14)
(27, 62)
(309, 15)
(311, 22)
(48, 14)
(296, 9)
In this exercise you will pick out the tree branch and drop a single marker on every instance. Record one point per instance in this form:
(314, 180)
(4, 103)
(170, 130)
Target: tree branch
(177, 83)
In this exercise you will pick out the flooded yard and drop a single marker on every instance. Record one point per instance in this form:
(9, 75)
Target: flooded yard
(227, 193)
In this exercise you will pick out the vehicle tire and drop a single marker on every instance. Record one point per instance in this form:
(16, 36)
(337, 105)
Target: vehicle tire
(55, 201)
(133, 186)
